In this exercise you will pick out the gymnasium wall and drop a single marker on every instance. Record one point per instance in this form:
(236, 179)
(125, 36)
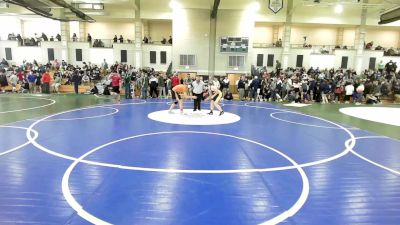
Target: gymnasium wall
(9, 24)
(191, 28)
(107, 30)
(263, 33)
(349, 35)
(156, 48)
(39, 25)
(235, 23)
(130, 52)
(383, 37)
(315, 35)
(160, 29)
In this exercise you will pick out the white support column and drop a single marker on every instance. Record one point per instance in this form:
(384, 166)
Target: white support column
(275, 33)
(339, 36)
(82, 31)
(146, 31)
(398, 42)
(138, 36)
(360, 40)
(22, 28)
(286, 45)
(65, 35)
(138, 44)
(286, 36)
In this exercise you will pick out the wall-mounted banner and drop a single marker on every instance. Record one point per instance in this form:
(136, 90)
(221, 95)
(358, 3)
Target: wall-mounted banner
(275, 5)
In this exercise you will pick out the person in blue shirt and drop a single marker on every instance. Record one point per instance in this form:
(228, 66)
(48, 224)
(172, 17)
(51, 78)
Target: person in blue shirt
(32, 81)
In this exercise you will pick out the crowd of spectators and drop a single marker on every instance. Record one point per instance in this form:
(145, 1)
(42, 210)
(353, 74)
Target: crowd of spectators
(324, 86)
(291, 85)
(32, 41)
(164, 41)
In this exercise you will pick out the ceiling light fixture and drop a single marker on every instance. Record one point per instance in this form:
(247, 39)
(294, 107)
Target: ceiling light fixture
(338, 9)
(174, 5)
(255, 6)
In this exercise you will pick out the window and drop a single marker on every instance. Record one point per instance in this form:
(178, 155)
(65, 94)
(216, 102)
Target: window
(163, 57)
(345, 60)
(260, 59)
(372, 63)
(8, 54)
(153, 57)
(270, 62)
(187, 60)
(124, 56)
(236, 61)
(78, 55)
(299, 61)
(50, 54)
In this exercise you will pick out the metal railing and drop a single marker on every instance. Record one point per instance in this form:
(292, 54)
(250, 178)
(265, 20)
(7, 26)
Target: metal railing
(103, 43)
(265, 45)
(156, 43)
(321, 49)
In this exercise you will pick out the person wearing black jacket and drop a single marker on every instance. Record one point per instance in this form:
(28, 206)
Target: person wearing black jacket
(254, 86)
(75, 79)
(241, 87)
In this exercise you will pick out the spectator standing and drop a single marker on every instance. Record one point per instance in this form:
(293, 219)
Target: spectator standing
(175, 80)
(153, 86)
(161, 86)
(349, 89)
(145, 86)
(127, 84)
(32, 81)
(13, 81)
(46, 82)
(116, 83)
(39, 83)
(225, 85)
(89, 38)
(170, 40)
(241, 87)
(75, 79)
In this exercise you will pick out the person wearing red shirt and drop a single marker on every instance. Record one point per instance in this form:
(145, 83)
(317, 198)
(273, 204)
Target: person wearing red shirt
(21, 75)
(46, 82)
(116, 83)
(175, 80)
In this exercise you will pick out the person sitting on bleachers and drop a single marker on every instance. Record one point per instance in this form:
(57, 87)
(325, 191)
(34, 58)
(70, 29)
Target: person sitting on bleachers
(94, 90)
(163, 41)
(44, 37)
(170, 40)
(89, 38)
(145, 40)
(324, 50)
(74, 38)
(115, 39)
(228, 96)
(51, 38)
(278, 43)
(58, 37)
(57, 83)
(121, 39)
(369, 45)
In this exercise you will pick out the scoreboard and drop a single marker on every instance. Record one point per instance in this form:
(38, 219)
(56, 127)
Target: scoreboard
(234, 44)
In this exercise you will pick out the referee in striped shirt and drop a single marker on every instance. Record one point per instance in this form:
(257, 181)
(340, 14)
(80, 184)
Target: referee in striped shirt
(198, 87)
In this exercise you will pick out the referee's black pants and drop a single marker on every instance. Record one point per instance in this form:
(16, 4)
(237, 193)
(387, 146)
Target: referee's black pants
(197, 101)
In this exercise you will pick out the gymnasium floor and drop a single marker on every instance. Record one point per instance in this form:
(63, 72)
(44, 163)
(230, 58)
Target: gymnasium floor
(82, 160)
